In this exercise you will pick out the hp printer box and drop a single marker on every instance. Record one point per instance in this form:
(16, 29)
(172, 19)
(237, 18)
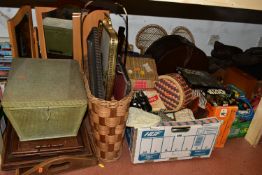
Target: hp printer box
(173, 141)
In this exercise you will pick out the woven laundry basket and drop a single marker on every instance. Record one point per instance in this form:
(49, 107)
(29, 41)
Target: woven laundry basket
(108, 123)
(173, 91)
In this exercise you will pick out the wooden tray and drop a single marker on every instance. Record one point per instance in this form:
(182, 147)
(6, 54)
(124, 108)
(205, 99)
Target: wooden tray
(56, 165)
(41, 147)
(18, 154)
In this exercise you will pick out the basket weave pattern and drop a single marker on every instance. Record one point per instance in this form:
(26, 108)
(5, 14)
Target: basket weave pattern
(108, 122)
(184, 32)
(174, 91)
(147, 35)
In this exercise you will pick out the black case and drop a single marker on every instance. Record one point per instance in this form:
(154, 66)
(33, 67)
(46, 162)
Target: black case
(94, 68)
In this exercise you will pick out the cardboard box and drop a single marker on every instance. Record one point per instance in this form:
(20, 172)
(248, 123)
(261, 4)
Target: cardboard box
(242, 121)
(154, 100)
(239, 129)
(226, 114)
(180, 140)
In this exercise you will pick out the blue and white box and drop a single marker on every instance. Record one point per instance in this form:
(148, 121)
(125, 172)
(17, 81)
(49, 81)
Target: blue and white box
(174, 141)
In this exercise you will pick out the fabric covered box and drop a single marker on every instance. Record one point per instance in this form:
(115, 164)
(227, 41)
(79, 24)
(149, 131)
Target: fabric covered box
(174, 91)
(45, 98)
(142, 72)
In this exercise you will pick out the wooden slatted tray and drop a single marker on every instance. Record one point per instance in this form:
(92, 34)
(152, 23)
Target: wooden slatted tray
(18, 154)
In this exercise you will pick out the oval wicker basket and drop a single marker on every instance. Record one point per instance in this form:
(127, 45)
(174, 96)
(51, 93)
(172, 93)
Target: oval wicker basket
(173, 91)
(108, 122)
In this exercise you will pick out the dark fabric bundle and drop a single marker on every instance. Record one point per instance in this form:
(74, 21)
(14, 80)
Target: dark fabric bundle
(223, 51)
(250, 61)
(250, 57)
(174, 51)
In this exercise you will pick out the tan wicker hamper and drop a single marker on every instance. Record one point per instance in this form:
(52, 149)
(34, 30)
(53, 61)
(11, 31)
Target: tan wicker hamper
(108, 122)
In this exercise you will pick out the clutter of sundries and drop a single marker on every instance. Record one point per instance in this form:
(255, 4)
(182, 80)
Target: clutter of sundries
(166, 104)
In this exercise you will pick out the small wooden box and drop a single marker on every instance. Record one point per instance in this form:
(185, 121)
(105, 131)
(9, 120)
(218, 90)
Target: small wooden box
(240, 79)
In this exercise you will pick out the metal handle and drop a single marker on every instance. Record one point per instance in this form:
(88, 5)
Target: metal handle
(39, 147)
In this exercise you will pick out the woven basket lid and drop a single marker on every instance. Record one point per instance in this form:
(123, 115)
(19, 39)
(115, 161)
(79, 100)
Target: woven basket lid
(147, 35)
(39, 83)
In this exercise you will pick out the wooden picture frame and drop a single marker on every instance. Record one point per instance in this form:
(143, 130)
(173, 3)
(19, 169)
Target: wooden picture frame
(21, 33)
(41, 34)
(89, 20)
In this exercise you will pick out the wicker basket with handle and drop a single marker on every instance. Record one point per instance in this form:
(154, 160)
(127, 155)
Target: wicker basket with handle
(108, 122)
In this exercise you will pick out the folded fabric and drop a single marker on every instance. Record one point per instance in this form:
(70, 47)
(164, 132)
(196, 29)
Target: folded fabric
(138, 118)
(252, 56)
(223, 51)
(184, 115)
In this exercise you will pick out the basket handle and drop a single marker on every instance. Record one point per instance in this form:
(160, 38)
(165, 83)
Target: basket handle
(48, 146)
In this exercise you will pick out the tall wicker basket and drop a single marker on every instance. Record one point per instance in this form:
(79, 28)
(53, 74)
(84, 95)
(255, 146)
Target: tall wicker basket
(108, 123)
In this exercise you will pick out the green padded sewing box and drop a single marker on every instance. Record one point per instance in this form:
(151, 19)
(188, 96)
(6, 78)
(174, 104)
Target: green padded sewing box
(45, 98)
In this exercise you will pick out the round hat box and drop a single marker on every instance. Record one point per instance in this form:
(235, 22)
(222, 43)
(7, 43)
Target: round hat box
(173, 91)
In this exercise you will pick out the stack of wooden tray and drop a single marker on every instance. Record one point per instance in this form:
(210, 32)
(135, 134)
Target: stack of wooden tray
(17, 154)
